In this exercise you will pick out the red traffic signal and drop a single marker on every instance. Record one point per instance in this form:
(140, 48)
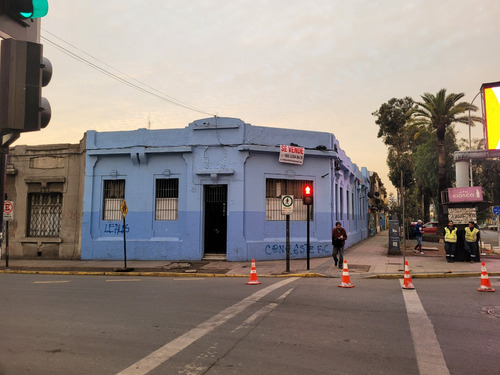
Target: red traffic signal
(307, 195)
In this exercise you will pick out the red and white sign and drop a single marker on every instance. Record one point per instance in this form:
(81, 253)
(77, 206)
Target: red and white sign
(8, 210)
(291, 154)
(465, 194)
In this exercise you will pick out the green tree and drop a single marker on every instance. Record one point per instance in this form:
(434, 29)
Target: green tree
(438, 112)
(425, 161)
(392, 119)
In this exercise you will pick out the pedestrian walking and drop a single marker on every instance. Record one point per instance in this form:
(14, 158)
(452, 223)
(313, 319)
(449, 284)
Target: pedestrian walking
(339, 235)
(419, 232)
(450, 241)
(471, 239)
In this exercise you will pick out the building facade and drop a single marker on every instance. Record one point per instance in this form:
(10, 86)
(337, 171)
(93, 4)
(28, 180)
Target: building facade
(214, 189)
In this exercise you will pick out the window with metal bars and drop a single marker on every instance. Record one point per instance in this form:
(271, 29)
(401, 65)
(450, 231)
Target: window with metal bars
(114, 194)
(44, 214)
(275, 188)
(167, 199)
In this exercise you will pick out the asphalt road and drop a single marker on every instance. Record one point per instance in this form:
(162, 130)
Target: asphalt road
(126, 325)
(489, 236)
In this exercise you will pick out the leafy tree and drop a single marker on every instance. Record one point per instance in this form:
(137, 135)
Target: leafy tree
(438, 112)
(392, 119)
(425, 160)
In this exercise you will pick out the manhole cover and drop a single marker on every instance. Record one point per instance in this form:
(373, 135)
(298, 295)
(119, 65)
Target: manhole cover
(492, 310)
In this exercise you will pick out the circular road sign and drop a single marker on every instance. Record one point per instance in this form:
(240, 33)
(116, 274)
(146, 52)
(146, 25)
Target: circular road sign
(286, 204)
(8, 207)
(496, 210)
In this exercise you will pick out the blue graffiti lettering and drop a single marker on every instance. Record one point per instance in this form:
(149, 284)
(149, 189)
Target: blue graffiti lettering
(297, 249)
(115, 228)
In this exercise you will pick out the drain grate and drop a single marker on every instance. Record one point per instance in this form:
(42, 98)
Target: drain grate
(358, 267)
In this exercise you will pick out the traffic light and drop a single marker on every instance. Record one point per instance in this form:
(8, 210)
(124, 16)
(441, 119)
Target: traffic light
(23, 72)
(307, 195)
(24, 9)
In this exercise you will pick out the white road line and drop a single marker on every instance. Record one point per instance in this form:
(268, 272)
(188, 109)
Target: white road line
(52, 282)
(430, 358)
(263, 311)
(121, 280)
(167, 351)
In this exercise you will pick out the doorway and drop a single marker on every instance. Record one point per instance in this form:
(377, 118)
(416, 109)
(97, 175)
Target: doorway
(215, 197)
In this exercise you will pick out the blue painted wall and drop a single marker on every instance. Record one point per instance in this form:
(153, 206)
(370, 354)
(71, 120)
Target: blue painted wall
(212, 151)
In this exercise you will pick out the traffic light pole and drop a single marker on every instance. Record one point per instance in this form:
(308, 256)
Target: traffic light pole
(308, 237)
(287, 243)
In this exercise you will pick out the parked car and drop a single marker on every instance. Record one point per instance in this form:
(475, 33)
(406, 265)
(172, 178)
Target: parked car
(431, 227)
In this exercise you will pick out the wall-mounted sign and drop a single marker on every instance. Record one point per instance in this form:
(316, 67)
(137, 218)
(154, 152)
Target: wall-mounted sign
(291, 154)
(465, 194)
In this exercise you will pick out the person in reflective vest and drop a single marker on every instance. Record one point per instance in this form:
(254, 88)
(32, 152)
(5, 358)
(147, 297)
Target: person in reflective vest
(450, 241)
(471, 240)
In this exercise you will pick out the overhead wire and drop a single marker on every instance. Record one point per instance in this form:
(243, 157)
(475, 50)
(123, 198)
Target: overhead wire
(144, 89)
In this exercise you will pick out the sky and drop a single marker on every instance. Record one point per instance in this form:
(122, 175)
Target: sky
(321, 65)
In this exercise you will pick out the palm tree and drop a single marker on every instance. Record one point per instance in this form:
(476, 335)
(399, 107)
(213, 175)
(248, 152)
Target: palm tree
(438, 112)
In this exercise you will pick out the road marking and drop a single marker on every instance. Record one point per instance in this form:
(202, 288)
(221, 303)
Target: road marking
(263, 311)
(170, 349)
(121, 280)
(52, 282)
(430, 358)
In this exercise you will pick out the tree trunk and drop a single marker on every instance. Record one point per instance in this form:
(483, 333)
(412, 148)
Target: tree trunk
(442, 183)
(426, 203)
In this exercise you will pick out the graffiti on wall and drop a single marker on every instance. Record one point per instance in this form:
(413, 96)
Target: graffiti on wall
(298, 249)
(115, 228)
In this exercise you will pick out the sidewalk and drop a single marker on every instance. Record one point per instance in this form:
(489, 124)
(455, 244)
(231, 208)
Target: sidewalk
(368, 258)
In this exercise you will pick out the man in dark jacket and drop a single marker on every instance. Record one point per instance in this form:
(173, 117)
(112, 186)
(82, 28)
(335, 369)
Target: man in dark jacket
(339, 236)
(419, 231)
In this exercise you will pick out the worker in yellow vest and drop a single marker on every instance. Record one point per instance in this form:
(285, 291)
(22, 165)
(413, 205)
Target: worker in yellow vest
(471, 240)
(450, 241)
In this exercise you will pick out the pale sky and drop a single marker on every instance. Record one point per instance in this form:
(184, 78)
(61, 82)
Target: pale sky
(322, 65)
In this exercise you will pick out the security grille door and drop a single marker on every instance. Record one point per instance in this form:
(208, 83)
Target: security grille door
(215, 219)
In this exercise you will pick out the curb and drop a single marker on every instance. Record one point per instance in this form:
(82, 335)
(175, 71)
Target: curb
(150, 274)
(434, 275)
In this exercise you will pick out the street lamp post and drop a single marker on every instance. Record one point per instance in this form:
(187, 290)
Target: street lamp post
(471, 183)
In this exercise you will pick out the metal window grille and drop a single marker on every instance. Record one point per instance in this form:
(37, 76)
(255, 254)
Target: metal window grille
(347, 205)
(167, 199)
(44, 215)
(114, 194)
(341, 205)
(352, 202)
(275, 188)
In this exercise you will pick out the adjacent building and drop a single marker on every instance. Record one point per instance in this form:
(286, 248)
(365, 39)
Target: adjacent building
(45, 186)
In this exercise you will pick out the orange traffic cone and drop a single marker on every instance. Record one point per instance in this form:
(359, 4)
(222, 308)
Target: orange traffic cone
(346, 280)
(253, 275)
(485, 280)
(407, 281)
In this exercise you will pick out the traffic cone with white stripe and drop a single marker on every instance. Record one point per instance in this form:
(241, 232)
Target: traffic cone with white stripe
(346, 280)
(253, 275)
(407, 280)
(485, 280)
